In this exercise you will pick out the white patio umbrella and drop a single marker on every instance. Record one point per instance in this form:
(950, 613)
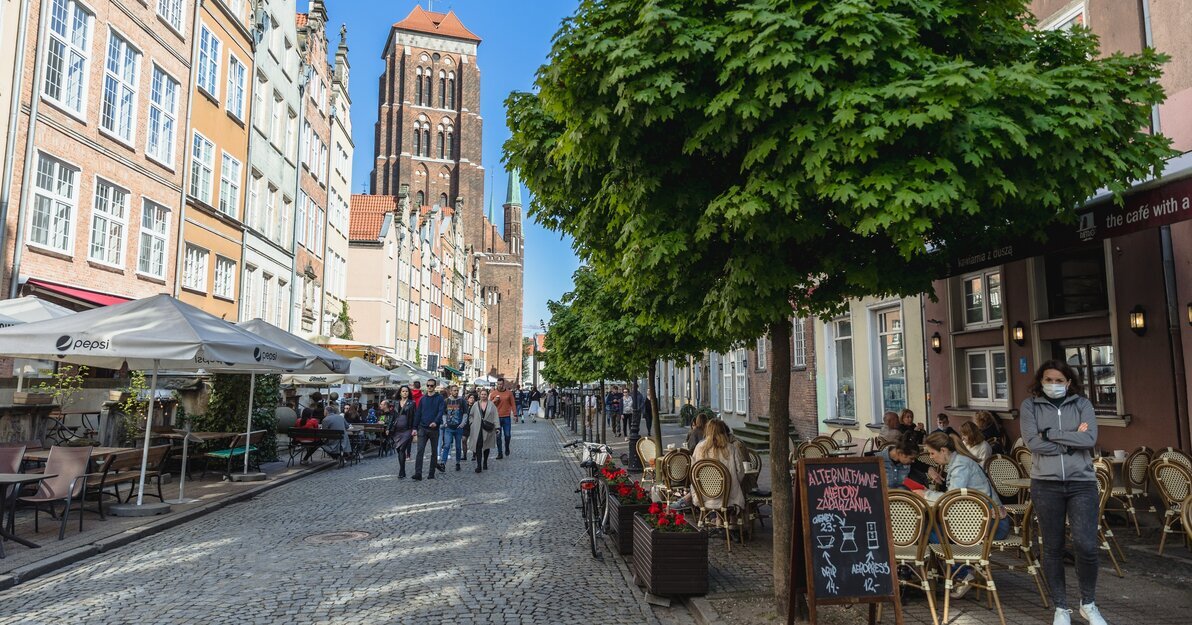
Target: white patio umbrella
(149, 334)
(322, 360)
(360, 371)
(28, 309)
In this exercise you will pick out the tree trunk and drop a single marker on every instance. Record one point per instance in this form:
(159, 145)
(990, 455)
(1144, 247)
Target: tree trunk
(600, 414)
(780, 477)
(656, 423)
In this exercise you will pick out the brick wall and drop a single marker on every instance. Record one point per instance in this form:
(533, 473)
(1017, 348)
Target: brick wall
(802, 392)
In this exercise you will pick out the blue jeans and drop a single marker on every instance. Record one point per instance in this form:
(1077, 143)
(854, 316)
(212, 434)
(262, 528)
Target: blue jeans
(506, 434)
(449, 436)
(1077, 502)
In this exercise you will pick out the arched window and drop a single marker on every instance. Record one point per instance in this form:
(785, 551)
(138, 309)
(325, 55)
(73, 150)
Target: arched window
(451, 90)
(426, 90)
(418, 87)
(426, 140)
(450, 144)
(443, 200)
(442, 90)
(421, 199)
(442, 153)
(417, 140)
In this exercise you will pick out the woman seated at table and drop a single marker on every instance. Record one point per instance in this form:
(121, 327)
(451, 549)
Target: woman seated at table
(899, 460)
(991, 430)
(717, 446)
(974, 441)
(696, 434)
(962, 472)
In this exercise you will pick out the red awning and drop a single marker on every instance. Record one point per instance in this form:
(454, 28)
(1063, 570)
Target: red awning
(82, 296)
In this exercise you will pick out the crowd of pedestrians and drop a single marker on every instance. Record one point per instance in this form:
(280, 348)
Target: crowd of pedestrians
(419, 417)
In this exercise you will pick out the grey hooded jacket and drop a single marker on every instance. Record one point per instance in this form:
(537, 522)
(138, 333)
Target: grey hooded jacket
(1061, 453)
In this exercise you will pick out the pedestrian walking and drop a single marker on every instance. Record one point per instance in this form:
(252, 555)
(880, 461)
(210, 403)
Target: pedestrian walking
(612, 410)
(506, 408)
(626, 411)
(1060, 428)
(400, 418)
(466, 430)
(483, 429)
(552, 403)
(430, 413)
(535, 403)
(452, 428)
(643, 405)
(590, 416)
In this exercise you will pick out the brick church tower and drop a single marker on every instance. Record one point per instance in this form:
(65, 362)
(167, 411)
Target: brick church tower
(428, 136)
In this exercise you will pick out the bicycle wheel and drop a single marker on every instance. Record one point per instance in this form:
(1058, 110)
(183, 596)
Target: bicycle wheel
(602, 505)
(593, 525)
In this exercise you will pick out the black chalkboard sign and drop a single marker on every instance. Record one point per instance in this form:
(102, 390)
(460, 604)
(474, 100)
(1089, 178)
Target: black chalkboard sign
(848, 549)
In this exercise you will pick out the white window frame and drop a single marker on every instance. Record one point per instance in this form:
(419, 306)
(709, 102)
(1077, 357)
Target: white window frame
(878, 371)
(253, 218)
(207, 65)
(171, 13)
(202, 168)
(105, 220)
(986, 320)
(258, 95)
(73, 101)
(798, 344)
(762, 344)
(741, 362)
(300, 218)
(195, 268)
(162, 123)
(225, 278)
(1066, 18)
(833, 341)
(229, 185)
(249, 294)
(152, 234)
(237, 86)
(57, 224)
(276, 132)
(121, 121)
(992, 401)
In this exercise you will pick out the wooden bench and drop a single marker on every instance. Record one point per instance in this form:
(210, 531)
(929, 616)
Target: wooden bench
(239, 446)
(125, 468)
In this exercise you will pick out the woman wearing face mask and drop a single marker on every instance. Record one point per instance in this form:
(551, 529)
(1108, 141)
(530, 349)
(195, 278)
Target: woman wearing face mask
(1060, 428)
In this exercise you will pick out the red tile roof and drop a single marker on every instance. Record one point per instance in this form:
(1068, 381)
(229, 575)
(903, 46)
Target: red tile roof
(367, 214)
(441, 24)
(302, 17)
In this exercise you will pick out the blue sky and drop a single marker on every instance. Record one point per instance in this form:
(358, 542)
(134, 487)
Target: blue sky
(515, 38)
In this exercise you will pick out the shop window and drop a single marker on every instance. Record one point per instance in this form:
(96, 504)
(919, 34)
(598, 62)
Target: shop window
(846, 393)
(982, 298)
(1076, 282)
(988, 377)
(892, 354)
(1096, 364)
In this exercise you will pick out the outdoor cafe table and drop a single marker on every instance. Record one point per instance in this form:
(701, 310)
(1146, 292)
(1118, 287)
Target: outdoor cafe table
(13, 482)
(839, 453)
(97, 453)
(196, 437)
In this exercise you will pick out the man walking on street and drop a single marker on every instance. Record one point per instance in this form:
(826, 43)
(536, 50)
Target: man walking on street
(429, 416)
(453, 428)
(612, 409)
(552, 403)
(506, 408)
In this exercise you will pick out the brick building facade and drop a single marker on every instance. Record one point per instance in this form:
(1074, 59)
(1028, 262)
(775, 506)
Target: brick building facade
(429, 137)
(803, 411)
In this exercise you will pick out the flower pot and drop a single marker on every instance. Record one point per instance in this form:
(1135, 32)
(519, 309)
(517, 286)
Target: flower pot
(669, 563)
(620, 522)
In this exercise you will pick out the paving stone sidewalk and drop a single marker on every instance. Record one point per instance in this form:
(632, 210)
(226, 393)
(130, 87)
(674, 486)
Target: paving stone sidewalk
(504, 546)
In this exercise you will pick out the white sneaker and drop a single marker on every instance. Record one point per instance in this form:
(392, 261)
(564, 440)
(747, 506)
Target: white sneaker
(1092, 614)
(960, 591)
(1063, 616)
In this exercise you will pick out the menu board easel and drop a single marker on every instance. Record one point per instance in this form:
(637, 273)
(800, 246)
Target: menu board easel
(842, 546)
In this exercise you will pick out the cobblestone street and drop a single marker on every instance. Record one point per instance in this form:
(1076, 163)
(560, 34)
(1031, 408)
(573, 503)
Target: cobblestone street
(501, 547)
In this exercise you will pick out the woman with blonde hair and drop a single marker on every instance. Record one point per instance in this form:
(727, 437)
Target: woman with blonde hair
(717, 445)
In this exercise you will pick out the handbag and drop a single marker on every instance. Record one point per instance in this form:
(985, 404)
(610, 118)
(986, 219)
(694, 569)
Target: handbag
(487, 426)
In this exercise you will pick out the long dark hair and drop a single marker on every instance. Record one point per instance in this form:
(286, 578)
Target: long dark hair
(409, 393)
(1074, 386)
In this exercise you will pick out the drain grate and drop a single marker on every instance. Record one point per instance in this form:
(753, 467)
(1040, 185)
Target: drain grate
(336, 537)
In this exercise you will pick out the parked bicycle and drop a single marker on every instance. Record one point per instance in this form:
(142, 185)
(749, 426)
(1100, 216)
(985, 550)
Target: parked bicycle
(592, 493)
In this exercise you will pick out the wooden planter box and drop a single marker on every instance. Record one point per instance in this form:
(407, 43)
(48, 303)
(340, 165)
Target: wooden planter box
(669, 563)
(620, 522)
(32, 398)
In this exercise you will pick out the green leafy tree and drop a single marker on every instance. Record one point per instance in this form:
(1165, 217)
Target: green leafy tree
(722, 162)
(346, 320)
(227, 409)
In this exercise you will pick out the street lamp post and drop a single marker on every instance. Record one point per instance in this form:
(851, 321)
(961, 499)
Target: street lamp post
(635, 463)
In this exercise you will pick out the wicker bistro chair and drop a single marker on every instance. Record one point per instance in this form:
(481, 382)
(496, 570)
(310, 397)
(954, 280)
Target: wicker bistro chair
(1104, 534)
(647, 451)
(925, 457)
(826, 442)
(755, 500)
(1024, 544)
(1001, 468)
(1175, 455)
(965, 527)
(676, 471)
(910, 522)
(1174, 482)
(1135, 484)
(1024, 458)
(69, 465)
(841, 435)
(811, 449)
(711, 480)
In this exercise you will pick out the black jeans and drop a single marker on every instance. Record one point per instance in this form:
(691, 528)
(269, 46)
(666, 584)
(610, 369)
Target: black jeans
(1077, 502)
(427, 436)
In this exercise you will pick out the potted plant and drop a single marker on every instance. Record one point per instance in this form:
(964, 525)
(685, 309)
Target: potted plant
(670, 556)
(625, 498)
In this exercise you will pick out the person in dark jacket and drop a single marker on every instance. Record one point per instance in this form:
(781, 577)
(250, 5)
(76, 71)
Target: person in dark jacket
(399, 416)
(429, 416)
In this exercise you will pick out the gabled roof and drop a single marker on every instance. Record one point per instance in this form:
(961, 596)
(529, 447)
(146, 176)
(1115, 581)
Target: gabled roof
(301, 20)
(367, 214)
(441, 24)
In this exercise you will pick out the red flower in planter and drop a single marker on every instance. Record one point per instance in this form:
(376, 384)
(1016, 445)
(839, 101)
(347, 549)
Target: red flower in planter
(655, 508)
(663, 520)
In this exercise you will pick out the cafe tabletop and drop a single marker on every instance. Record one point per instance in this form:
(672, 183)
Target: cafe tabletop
(9, 479)
(196, 437)
(847, 445)
(839, 453)
(42, 455)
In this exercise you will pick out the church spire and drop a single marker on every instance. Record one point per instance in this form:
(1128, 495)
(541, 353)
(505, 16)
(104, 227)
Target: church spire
(513, 191)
